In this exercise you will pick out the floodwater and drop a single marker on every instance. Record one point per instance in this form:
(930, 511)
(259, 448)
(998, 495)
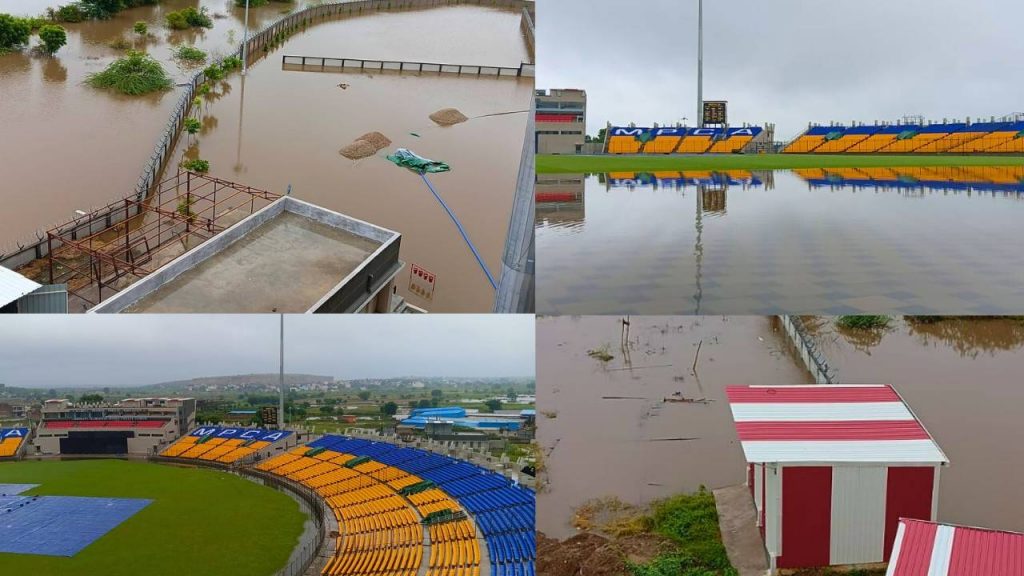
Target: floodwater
(962, 377)
(294, 122)
(642, 448)
(844, 241)
(79, 148)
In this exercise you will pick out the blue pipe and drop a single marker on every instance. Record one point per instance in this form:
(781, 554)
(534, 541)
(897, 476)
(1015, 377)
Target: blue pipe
(462, 231)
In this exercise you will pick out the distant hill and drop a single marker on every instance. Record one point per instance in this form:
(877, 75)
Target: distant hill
(237, 382)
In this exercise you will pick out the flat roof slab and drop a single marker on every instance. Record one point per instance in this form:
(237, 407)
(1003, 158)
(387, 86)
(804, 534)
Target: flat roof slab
(285, 265)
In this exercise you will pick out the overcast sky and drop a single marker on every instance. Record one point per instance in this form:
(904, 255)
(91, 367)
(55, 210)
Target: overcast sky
(785, 61)
(127, 350)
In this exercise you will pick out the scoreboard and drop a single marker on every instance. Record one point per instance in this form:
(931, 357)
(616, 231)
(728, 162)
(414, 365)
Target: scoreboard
(714, 112)
(268, 414)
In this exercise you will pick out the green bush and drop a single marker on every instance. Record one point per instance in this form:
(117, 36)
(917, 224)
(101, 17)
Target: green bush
(141, 28)
(133, 74)
(120, 43)
(214, 72)
(231, 63)
(252, 3)
(189, 18)
(70, 13)
(52, 37)
(196, 165)
(101, 9)
(192, 125)
(14, 32)
(190, 54)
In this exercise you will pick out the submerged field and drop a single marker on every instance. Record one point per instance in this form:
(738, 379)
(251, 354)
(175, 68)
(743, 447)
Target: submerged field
(211, 522)
(578, 164)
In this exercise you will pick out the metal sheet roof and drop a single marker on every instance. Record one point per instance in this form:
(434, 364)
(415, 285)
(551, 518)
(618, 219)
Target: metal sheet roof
(930, 549)
(14, 286)
(829, 424)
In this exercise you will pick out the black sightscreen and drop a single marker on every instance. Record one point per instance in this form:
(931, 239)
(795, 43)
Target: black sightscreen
(95, 442)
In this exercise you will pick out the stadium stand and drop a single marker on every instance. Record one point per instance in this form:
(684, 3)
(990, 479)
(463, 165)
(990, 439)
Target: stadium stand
(1003, 179)
(11, 440)
(679, 140)
(951, 138)
(223, 444)
(814, 136)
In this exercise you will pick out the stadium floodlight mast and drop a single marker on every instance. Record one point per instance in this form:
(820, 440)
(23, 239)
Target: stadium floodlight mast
(280, 408)
(700, 63)
(245, 44)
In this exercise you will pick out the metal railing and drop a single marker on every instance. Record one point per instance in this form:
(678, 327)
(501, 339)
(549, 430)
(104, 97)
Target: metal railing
(324, 64)
(813, 359)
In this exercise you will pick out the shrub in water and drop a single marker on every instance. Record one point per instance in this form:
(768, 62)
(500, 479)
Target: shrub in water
(197, 165)
(70, 13)
(141, 28)
(192, 125)
(863, 322)
(231, 63)
(52, 37)
(189, 18)
(252, 3)
(190, 54)
(120, 44)
(134, 74)
(214, 72)
(14, 32)
(101, 9)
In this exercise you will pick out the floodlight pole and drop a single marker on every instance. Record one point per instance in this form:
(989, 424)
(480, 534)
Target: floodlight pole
(245, 44)
(700, 63)
(280, 408)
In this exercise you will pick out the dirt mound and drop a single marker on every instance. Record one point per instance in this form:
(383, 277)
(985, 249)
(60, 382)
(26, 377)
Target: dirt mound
(595, 555)
(366, 145)
(378, 140)
(448, 116)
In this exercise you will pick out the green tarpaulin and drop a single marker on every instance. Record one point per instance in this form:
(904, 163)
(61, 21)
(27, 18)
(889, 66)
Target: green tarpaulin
(416, 163)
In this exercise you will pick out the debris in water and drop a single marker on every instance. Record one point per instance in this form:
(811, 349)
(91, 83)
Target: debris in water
(366, 145)
(414, 134)
(672, 439)
(623, 398)
(448, 117)
(601, 354)
(687, 400)
(343, 86)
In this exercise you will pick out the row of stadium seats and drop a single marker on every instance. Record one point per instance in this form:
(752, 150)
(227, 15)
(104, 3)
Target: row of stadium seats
(504, 512)
(1008, 179)
(630, 140)
(225, 450)
(10, 440)
(375, 518)
(951, 138)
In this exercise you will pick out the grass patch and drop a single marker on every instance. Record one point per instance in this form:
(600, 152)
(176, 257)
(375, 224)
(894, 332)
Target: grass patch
(134, 74)
(691, 521)
(862, 322)
(589, 164)
(214, 523)
(189, 54)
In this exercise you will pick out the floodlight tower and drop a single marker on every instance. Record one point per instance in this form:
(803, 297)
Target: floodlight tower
(280, 406)
(700, 63)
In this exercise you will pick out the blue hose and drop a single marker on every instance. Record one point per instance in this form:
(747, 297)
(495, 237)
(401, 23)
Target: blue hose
(462, 231)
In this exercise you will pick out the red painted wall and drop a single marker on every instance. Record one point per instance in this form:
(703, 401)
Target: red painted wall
(908, 494)
(806, 516)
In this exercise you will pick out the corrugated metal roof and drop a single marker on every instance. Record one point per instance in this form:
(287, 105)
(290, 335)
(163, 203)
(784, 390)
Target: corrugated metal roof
(829, 424)
(14, 286)
(930, 549)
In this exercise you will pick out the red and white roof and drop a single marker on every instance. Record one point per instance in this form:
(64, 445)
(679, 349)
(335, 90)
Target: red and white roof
(829, 424)
(929, 549)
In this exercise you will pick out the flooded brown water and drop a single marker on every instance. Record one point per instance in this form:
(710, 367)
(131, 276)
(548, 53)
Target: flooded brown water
(78, 147)
(629, 448)
(963, 379)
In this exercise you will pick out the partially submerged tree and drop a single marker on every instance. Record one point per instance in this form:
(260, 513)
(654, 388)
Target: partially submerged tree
(14, 32)
(53, 38)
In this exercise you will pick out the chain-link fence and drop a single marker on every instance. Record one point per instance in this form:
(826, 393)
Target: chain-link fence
(813, 359)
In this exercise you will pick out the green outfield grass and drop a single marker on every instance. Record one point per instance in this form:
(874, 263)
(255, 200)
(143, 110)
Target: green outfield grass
(548, 164)
(202, 522)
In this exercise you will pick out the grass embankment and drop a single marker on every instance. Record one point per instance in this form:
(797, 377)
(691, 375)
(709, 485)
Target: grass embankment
(691, 521)
(548, 164)
(201, 522)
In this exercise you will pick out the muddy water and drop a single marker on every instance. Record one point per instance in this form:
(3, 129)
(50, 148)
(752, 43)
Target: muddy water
(294, 122)
(629, 448)
(743, 242)
(963, 379)
(78, 148)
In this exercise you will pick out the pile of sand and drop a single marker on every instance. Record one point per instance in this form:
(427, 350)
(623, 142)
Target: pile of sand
(448, 116)
(365, 146)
